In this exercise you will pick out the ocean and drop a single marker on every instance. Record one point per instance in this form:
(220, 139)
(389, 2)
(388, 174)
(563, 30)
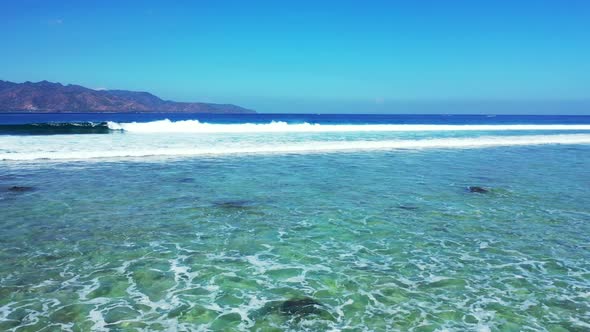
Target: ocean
(285, 222)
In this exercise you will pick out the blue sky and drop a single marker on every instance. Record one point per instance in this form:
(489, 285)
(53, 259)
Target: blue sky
(468, 56)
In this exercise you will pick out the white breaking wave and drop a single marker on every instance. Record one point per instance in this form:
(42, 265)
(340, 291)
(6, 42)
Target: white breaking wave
(84, 151)
(195, 126)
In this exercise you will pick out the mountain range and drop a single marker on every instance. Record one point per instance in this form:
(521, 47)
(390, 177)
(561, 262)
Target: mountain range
(46, 97)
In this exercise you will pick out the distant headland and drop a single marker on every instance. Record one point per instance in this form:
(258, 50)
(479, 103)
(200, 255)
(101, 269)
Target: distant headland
(48, 97)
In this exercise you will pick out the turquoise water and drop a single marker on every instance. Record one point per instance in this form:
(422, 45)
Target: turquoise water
(377, 240)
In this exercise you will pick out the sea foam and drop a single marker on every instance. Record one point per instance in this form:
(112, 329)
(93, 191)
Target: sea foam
(83, 149)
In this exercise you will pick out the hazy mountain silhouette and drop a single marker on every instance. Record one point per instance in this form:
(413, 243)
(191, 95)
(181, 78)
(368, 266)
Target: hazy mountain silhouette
(46, 97)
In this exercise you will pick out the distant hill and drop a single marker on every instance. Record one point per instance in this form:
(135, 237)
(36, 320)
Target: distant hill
(44, 97)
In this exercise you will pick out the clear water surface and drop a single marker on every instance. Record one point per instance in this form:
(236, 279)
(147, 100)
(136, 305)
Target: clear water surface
(369, 238)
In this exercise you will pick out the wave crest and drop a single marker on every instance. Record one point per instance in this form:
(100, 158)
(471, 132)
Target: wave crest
(195, 126)
(55, 128)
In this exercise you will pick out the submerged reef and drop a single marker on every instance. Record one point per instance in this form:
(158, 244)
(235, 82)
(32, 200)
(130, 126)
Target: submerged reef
(476, 189)
(20, 189)
(303, 306)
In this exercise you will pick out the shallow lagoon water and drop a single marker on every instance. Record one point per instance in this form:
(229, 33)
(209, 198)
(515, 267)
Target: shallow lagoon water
(381, 240)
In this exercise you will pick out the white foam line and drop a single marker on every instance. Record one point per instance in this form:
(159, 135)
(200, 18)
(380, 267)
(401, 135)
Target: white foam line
(194, 126)
(307, 147)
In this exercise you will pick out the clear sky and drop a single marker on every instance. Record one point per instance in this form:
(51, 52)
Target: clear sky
(312, 56)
